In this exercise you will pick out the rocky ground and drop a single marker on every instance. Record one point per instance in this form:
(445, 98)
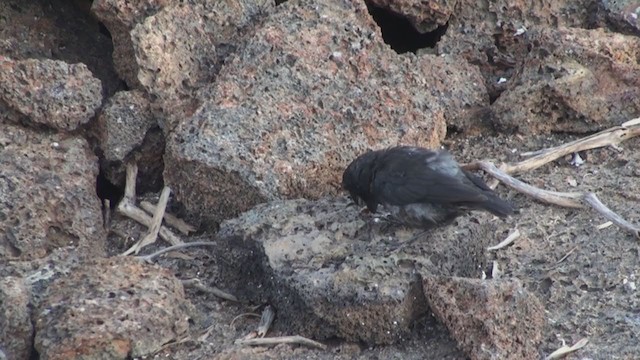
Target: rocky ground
(249, 110)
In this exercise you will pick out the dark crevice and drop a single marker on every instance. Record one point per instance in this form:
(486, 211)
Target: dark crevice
(108, 191)
(278, 2)
(494, 95)
(104, 31)
(400, 34)
(453, 130)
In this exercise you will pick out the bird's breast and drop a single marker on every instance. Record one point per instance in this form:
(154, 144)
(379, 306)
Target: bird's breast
(423, 215)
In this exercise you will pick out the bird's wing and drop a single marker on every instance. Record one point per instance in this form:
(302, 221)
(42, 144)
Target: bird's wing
(406, 180)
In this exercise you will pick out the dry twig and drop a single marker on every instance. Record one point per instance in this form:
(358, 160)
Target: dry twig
(172, 220)
(243, 315)
(564, 350)
(565, 199)
(511, 238)
(609, 137)
(106, 214)
(128, 208)
(150, 257)
(299, 340)
(156, 223)
(196, 283)
(268, 314)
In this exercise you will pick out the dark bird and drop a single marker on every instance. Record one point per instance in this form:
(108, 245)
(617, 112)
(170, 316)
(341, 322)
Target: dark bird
(419, 187)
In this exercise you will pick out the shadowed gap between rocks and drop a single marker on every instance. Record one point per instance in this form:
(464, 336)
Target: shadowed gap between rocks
(398, 32)
(106, 190)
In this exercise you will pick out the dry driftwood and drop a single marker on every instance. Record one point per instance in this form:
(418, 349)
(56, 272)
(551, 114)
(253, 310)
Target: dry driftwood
(609, 137)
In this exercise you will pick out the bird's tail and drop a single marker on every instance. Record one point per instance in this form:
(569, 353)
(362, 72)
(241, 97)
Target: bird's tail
(497, 206)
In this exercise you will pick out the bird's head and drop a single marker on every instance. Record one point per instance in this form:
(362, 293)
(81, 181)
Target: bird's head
(356, 179)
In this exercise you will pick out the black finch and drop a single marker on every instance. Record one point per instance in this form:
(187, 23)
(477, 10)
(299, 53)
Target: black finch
(419, 187)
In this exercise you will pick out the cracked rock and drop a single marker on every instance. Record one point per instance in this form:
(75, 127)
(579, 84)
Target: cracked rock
(330, 272)
(115, 308)
(50, 92)
(290, 108)
(47, 194)
(490, 319)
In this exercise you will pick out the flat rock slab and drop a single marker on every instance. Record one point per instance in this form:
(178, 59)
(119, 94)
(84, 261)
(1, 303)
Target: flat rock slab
(50, 92)
(115, 308)
(47, 194)
(329, 271)
(490, 319)
(291, 108)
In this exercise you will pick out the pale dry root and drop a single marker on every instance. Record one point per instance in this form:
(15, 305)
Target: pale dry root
(610, 137)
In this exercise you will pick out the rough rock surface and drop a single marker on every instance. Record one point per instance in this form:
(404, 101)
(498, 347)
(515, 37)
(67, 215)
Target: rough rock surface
(182, 47)
(572, 80)
(488, 33)
(57, 30)
(291, 108)
(309, 70)
(47, 194)
(542, 71)
(117, 308)
(330, 272)
(490, 319)
(126, 129)
(26, 284)
(60, 95)
(16, 331)
(120, 17)
(621, 15)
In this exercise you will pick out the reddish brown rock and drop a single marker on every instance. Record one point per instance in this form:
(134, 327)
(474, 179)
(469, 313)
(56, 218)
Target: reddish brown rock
(53, 93)
(572, 80)
(16, 331)
(291, 108)
(120, 17)
(490, 319)
(47, 194)
(182, 47)
(57, 30)
(114, 308)
(489, 33)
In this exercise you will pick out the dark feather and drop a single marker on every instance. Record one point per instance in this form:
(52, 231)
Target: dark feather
(419, 185)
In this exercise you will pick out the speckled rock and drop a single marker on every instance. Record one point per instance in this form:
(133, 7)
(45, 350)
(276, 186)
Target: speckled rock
(490, 319)
(572, 80)
(182, 47)
(291, 108)
(24, 285)
(489, 34)
(16, 331)
(120, 17)
(47, 194)
(58, 30)
(114, 308)
(126, 129)
(54, 93)
(329, 271)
